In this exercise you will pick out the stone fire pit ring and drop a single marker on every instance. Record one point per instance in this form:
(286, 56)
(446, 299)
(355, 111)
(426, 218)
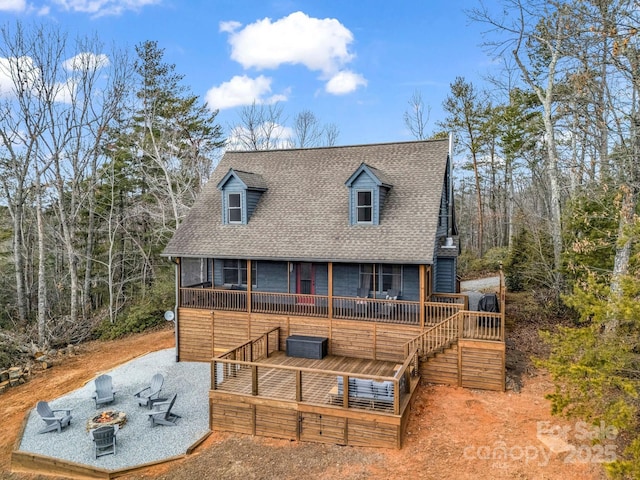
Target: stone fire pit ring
(107, 417)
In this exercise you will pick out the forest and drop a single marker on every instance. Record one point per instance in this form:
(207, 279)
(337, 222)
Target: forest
(102, 152)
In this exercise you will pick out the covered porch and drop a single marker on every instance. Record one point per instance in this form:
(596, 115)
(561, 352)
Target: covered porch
(400, 294)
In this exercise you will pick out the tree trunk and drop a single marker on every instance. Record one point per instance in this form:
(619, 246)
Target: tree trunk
(42, 279)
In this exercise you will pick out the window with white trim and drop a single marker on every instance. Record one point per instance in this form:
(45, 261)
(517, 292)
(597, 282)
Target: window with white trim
(364, 206)
(234, 207)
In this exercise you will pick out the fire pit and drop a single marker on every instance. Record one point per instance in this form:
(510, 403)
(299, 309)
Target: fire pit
(108, 417)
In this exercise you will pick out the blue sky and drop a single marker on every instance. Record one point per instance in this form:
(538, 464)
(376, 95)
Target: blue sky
(352, 63)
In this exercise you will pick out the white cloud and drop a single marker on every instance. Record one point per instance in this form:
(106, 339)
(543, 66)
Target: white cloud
(86, 61)
(100, 8)
(21, 72)
(13, 5)
(345, 82)
(319, 44)
(17, 70)
(65, 92)
(242, 90)
(229, 27)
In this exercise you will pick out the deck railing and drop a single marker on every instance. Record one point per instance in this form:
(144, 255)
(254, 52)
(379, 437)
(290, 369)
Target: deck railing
(483, 325)
(456, 298)
(257, 349)
(480, 325)
(463, 324)
(436, 312)
(221, 299)
(437, 337)
(311, 385)
(289, 304)
(378, 310)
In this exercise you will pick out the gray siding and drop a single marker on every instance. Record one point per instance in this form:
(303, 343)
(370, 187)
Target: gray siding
(346, 279)
(443, 218)
(272, 277)
(253, 197)
(322, 279)
(233, 185)
(217, 271)
(365, 182)
(445, 275)
(410, 283)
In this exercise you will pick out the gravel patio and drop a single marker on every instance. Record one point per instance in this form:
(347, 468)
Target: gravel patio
(137, 442)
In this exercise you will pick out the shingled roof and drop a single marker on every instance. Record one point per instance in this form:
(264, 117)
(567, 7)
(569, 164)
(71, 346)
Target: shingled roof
(304, 213)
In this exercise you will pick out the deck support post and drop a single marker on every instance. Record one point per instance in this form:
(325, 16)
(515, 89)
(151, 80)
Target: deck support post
(298, 385)
(345, 391)
(254, 380)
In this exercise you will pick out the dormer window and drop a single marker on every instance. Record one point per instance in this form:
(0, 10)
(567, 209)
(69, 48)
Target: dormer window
(234, 207)
(368, 190)
(241, 192)
(364, 206)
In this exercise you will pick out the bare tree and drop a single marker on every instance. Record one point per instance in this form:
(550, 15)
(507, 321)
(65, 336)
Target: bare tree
(330, 134)
(260, 127)
(57, 111)
(307, 130)
(417, 117)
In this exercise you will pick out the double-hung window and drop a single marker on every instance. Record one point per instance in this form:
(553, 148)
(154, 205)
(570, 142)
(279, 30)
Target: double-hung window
(380, 277)
(364, 206)
(234, 272)
(234, 207)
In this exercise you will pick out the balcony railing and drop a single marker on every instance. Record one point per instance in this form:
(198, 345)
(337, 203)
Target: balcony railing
(350, 308)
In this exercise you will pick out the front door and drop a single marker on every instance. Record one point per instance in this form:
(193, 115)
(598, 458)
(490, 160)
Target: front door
(305, 283)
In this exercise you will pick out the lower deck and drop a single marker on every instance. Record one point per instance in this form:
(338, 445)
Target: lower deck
(304, 399)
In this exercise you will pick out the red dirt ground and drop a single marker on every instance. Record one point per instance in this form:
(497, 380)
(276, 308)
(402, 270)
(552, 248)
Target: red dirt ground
(452, 434)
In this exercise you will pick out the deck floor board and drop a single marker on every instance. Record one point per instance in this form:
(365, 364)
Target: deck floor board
(280, 383)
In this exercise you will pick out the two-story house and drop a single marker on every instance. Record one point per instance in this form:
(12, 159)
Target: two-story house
(350, 250)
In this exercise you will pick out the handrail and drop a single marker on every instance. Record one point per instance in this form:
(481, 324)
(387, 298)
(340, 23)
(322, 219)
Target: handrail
(257, 348)
(438, 336)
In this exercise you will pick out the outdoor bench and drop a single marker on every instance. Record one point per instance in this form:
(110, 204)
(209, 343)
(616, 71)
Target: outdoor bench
(364, 393)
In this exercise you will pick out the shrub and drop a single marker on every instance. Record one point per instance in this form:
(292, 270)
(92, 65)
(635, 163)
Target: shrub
(147, 313)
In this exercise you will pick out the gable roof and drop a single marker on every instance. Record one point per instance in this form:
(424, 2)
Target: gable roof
(378, 177)
(251, 181)
(304, 213)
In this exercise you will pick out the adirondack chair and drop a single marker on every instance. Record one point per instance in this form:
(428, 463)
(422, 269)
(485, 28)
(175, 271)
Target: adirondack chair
(163, 416)
(104, 440)
(104, 392)
(151, 394)
(53, 421)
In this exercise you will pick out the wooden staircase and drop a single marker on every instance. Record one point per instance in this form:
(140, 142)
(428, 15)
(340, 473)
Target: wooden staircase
(449, 355)
(437, 338)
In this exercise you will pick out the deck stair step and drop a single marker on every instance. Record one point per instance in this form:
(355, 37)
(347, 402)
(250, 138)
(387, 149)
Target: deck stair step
(433, 353)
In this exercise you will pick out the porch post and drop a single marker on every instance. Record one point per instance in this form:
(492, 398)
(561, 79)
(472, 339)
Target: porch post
(330, 303)
(249, 284)
(423, 276)
(330, 299)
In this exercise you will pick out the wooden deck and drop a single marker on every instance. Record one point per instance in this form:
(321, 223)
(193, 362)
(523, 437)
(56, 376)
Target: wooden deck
(317, 388)
(268, 393)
